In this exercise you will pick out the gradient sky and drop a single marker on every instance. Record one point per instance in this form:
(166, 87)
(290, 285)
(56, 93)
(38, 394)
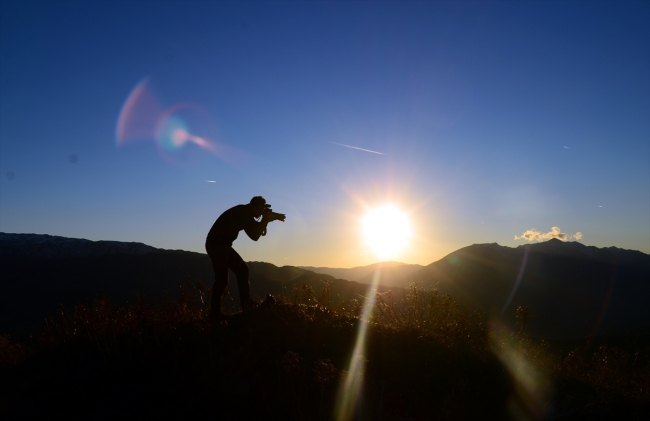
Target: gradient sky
(493, 118)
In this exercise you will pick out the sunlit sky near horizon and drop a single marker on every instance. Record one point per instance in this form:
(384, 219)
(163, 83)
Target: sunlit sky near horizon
(481, 121)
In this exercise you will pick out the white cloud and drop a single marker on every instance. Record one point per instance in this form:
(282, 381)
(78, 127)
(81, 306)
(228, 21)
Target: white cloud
(555, 232)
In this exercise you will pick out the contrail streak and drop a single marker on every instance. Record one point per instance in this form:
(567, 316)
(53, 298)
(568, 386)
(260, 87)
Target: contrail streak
(361, 149)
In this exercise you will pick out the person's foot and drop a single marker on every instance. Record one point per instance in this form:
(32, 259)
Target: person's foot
(217, 317)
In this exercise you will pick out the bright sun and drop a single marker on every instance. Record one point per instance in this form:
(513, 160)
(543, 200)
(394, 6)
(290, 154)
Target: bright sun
(386, 230)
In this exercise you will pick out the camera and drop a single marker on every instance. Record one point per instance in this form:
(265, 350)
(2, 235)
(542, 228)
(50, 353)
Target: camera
(270, 216)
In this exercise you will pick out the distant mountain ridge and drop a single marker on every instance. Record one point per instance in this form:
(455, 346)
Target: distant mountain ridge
(576, 249)
(391, 273)
(52, 246)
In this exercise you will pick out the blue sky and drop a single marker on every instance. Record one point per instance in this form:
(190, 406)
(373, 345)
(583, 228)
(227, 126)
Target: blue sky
(494, 118)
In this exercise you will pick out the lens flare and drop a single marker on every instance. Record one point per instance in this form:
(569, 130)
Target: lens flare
(350, 390)
(139, 115)
(533, 387)
(181, 132)
(515, 287)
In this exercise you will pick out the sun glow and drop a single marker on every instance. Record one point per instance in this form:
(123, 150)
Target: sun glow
(386, 230)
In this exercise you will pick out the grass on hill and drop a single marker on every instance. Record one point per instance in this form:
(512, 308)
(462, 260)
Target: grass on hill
(423, 359)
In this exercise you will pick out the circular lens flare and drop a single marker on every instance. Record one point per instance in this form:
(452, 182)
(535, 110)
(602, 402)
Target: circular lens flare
(386, 230)
(182, 133)
(173, 134)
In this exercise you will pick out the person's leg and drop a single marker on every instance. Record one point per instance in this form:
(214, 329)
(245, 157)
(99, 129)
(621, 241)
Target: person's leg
(219, 259)
(239, 267)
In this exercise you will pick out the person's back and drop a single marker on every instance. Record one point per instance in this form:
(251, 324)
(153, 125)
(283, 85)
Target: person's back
(226, 228)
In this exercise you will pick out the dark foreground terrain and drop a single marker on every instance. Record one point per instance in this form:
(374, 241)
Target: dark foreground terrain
(423, 359)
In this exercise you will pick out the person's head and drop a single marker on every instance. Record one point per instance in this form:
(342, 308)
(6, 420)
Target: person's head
(258, 205)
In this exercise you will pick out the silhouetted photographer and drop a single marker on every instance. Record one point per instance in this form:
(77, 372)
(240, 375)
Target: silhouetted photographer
(253, 219)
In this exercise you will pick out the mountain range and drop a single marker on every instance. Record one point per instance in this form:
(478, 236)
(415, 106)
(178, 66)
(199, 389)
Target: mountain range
(573, 290)
(392, 274)
(41, 272)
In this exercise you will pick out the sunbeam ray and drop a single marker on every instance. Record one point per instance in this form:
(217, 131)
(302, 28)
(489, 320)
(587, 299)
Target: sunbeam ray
(351, 389)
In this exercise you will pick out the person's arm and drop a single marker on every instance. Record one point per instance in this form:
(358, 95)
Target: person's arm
(255, 229)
